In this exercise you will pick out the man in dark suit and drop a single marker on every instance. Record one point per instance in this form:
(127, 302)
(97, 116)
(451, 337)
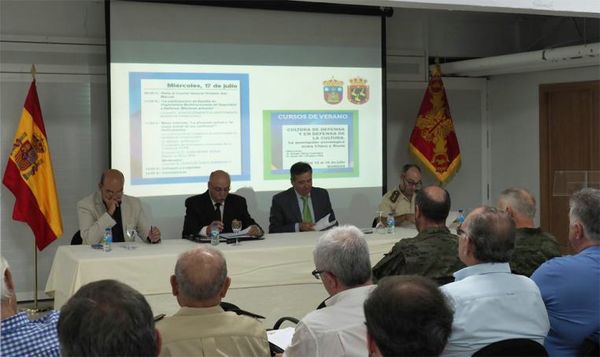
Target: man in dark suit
(217, 206)
(299, 207)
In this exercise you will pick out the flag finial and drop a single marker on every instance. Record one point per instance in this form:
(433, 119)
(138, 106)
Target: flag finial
(33, 71)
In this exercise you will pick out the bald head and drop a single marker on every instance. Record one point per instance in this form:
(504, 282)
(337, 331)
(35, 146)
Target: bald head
(218, 185)
(111, 186)
(111, 175)
(201, 273)
(433, 203)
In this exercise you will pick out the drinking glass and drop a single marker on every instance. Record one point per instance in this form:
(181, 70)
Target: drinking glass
(236, 227)
(131, 234)
(380, 226)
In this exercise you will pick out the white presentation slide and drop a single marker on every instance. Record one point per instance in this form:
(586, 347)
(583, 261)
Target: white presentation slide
(173, 124)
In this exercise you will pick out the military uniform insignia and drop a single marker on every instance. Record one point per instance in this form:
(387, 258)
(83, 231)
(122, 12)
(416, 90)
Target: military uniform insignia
(358, 91)
(333, 91)
(394, 196)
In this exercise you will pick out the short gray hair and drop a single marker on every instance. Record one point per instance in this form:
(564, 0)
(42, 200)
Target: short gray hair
(343, 251)
(520, 200)
(585, 208)
(6, 292)
(493, 235)
(198, 277)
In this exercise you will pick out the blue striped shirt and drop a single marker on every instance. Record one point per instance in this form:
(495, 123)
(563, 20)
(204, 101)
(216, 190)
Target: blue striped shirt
(23, 337)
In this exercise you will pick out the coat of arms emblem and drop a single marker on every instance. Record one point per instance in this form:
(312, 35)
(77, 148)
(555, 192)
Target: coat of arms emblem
(333, 91)
(358, 91)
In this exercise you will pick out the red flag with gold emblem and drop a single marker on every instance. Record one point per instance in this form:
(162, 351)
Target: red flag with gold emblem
(433, 140)
(29, 175)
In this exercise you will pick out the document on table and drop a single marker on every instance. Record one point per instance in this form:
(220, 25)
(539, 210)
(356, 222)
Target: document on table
(281, 338)
(242, 233)
(324, 223)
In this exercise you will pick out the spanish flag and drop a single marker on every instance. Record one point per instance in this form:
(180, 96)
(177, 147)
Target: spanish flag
(29, 175)
(433, 140)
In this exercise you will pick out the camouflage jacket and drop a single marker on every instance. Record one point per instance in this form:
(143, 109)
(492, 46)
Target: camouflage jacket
(432, 253)
(532, 247)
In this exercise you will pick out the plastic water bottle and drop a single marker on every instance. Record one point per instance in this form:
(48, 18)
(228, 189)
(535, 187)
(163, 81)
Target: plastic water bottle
(107, 240)
(461, 217)
(391, 223)
(214, 235)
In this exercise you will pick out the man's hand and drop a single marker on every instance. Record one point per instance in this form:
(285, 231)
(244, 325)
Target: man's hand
(154, 234)
(213, 223)
(111, 206)
(255, 231)
(306, 227)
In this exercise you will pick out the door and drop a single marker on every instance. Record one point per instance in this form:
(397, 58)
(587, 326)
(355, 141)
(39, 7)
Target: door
(569, 142)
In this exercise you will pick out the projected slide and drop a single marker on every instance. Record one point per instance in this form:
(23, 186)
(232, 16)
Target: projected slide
(325, 139)
(188, 114)
(174, 124)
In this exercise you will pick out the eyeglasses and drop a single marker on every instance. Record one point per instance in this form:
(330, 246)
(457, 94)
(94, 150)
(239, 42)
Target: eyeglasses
(317, 273)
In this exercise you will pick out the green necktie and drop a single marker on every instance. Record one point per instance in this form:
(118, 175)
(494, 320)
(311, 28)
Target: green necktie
(306, 216)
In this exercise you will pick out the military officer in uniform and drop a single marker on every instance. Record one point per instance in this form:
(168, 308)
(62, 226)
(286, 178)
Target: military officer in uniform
(401, 200)
(533, 246)
(432, 253)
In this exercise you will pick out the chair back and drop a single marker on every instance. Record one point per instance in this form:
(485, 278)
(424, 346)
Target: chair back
(76, 240)
(512, 347)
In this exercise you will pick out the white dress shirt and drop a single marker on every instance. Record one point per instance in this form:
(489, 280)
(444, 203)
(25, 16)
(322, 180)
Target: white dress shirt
(335, 330)
(491, 304)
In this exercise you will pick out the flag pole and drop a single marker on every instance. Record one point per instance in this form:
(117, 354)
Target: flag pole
(35, 309)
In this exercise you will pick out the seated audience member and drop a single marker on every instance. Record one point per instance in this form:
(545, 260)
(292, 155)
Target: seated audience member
(342, 263)
(110, 208)
(407, 316)
(401, 200)
(107, 318)
(20, 336)
(570, 285)
(298, 208)
(217, 206)
(432, 253)
(532, 245)
(201, 326)
(490, 303)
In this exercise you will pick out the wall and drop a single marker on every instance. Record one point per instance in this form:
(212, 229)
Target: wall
(514, 126)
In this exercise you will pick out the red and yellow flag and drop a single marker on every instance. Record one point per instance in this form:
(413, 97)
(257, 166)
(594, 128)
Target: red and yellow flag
(433, 140)
(29, 175)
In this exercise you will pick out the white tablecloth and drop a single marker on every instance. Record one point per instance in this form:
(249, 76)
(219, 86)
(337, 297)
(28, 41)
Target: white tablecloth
(270, 277)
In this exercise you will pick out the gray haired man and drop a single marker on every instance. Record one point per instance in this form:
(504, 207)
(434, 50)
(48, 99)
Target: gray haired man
(490, 303)
(570, 285)
(533, 246)
(342, 263)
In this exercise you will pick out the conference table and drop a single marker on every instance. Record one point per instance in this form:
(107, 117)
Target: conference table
(270, 277)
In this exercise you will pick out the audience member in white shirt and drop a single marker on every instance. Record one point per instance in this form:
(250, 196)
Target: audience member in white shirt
(342, 263)
(490, 303)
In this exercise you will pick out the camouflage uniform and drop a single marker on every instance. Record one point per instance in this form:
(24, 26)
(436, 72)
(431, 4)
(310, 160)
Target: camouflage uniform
(432, 253)
(395, 201)
(532, 247)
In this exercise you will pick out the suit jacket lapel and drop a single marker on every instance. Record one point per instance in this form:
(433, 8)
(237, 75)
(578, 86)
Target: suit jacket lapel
(293, 202)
